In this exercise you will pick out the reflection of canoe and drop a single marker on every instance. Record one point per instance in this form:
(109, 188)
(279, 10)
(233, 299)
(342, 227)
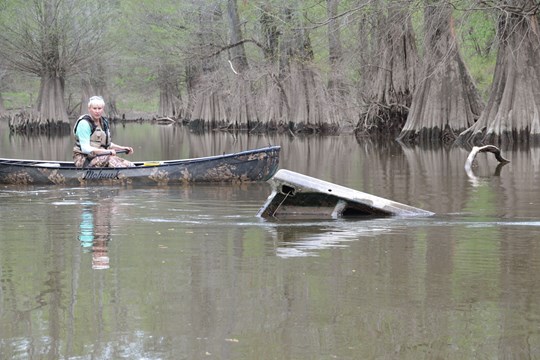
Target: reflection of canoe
(296, 195)
(250, 165)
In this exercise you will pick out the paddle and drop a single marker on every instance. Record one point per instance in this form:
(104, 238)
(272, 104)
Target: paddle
(148, 163)
(116, 151)
(91, 156)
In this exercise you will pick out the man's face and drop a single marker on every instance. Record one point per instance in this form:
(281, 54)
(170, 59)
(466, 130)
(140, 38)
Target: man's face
(95, 111)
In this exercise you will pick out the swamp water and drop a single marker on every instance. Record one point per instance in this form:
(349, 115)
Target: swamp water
(190, 272)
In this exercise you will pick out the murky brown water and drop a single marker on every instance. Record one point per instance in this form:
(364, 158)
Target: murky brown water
(191, 273)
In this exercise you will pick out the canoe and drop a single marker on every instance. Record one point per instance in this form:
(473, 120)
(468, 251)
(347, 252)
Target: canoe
(296, 196)
(245, 166)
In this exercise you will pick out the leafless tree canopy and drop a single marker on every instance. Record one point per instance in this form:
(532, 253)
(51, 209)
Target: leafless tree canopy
(50, 39)
(375, 67)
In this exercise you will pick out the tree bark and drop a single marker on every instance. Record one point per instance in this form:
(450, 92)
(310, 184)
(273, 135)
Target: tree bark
(394, 72)
(2, 107)
(273, 98)
(342, 106)
(242, 102)
(300, 95)
(208, 100)
(270, 34)
(51, 105)
(170, 103)
(237, 53)
(512, 113)
(3, 79)
(336, 85)
(445, 101)
(51, 39)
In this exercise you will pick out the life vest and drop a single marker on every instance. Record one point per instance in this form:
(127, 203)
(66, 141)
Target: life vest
(99, 138)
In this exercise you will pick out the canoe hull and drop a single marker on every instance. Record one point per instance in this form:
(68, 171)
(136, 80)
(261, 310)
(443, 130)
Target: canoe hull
(246, 166)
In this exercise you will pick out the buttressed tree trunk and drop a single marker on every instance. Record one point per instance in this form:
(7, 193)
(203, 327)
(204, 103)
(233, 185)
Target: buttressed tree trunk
(336, 85)
(51, 39)
(51, 105)
(87, 91)
(394, 72)
(3, 77)
(340, 99)
(274, 100)
(205, 84)
(237, 53)
(304, 90)
(2, 107)
(445, 101)
(169, 92)
(242, 102)
(512, 113)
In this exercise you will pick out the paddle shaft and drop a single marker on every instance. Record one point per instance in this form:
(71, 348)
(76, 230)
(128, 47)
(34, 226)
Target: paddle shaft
(116, 151)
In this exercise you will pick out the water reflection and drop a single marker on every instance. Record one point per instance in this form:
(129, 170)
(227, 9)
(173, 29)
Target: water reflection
(194, 274)
(95, 232)
(300, 238)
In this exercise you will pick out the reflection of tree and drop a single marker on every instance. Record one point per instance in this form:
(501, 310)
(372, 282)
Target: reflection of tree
(519, 286)
(95, 232)
(516, 202)
(54, 147)
(437, 172)
(520, 295)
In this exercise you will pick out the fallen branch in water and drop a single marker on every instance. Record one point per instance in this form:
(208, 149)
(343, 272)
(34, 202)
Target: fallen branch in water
(487, 148)
(164, 120)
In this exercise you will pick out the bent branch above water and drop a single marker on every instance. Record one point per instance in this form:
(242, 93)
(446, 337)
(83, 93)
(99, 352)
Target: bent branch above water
(487, 148)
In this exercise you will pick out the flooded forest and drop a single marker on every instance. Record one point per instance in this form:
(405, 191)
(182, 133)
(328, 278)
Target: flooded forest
(464, 71)
(386, 97)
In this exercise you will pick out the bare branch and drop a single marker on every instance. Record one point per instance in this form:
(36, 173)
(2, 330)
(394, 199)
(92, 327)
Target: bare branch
(230, 46)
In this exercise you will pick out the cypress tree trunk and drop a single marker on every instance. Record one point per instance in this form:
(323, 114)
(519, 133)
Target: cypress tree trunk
(445, 101)
(273, 100)
(512, 113)
(302, 83)
(2, 107)
(51, 106)
(205, 84)
(393, 72)
(242, 101)
(170, 103)
(342, 104)
(237, 53)
(336, 85)
(300, 94)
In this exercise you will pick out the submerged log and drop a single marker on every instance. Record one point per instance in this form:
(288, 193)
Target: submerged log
(165, 120)
(300, 196)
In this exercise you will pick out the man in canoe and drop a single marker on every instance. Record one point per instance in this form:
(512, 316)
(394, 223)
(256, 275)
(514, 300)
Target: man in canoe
(93, 145)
